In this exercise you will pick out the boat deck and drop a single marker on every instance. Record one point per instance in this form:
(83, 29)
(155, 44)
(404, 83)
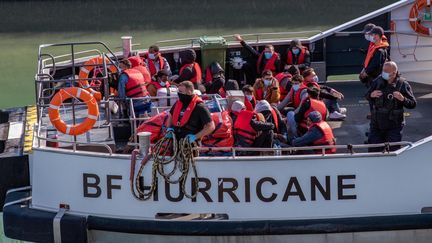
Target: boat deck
(351, 131)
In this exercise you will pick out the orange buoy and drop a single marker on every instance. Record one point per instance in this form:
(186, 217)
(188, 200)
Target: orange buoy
(89, 66)
(67, 93)
(414, 19)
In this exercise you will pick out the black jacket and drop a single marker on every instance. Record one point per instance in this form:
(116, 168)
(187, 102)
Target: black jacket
(256, 55)
(281, 124)
(374, 68)
(387, 112)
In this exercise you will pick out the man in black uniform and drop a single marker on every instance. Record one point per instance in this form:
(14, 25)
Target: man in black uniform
(389, 94)
(189, 117)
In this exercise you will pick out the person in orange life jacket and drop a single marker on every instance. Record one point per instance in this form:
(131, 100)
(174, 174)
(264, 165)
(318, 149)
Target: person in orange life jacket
(160, 80)
(139, 65)
(389, 94)
(189, 117)
(296, 94)
(267, 88)
(272, 115)
(214, 79)
(249, 99)
(284, 79)
(376, 56)
(267, 59)
(131, 84)
(298, 55)
(297, 119)
(248, 130)
(329, 95)
(319, 134)
(155, 61)
(190, 70)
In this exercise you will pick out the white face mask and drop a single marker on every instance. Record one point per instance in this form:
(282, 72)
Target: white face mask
(249, 97)
(267, 82)
(151, 55)
(315, 79)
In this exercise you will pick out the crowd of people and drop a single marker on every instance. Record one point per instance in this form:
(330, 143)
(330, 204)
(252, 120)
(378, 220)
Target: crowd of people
(286, 106)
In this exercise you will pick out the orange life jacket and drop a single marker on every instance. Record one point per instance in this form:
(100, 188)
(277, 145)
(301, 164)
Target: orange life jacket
(270, 64)
(300, 59)
(159, 86)
(283, 91)
(222, 135)
(135, 87)
(250, 105)
(209, 79)
(327, 138)
(151, 64)
(296, 95)
(275, 118)
(156, 125)
(195, 66)
(137, 64)
(243, 128)
(372, 50)
(316, 105)
(181, 121)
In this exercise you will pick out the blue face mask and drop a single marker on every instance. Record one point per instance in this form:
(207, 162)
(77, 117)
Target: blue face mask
(268, 55)
(385, 76)
(296, 87)
(267, 82)
(296, 51)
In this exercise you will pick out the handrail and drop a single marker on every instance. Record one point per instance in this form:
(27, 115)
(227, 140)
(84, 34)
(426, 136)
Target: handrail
(74, 144)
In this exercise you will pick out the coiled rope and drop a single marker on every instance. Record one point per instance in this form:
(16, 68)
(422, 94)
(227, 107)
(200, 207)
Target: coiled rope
(180, 157)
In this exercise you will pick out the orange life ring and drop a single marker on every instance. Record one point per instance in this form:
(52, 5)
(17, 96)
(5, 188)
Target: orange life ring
(414, 19)
(87, 68)
(64, 94)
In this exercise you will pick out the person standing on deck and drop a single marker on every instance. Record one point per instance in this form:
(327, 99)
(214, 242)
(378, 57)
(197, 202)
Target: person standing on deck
(155, 61)
(389, 94)
(189, 117)
(267, 59)
(132, 85)
(298, 55)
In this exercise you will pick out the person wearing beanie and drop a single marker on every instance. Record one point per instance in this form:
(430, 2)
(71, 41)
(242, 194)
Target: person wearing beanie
(319, 134)
(190, 70)
(248, 130)
(298, 56)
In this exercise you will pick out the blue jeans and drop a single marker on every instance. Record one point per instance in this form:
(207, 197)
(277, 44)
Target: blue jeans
(332, 105)
(292, 124)
(141, 107)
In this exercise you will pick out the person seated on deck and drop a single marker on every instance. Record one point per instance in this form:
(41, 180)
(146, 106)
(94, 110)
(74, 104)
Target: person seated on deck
(272, 115)
(131, 84)
(214, 81)
(319, 133)
(155, 61)
(298, 55)
(249, 98)
(284, 80)
(329, 95)
(160, 86)
(389, 94)
(296, 94)
(248, 130)
(267, 59)
(297, 119)
(267, 88)
(190, 70)
(189, 117)
(139, 65)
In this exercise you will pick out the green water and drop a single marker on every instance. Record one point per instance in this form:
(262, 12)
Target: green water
(26, 24)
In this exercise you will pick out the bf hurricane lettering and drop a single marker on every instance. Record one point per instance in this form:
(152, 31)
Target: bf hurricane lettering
(228, 189)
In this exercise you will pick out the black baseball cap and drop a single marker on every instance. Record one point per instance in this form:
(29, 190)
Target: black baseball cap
(377, 30)
(368, 27)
